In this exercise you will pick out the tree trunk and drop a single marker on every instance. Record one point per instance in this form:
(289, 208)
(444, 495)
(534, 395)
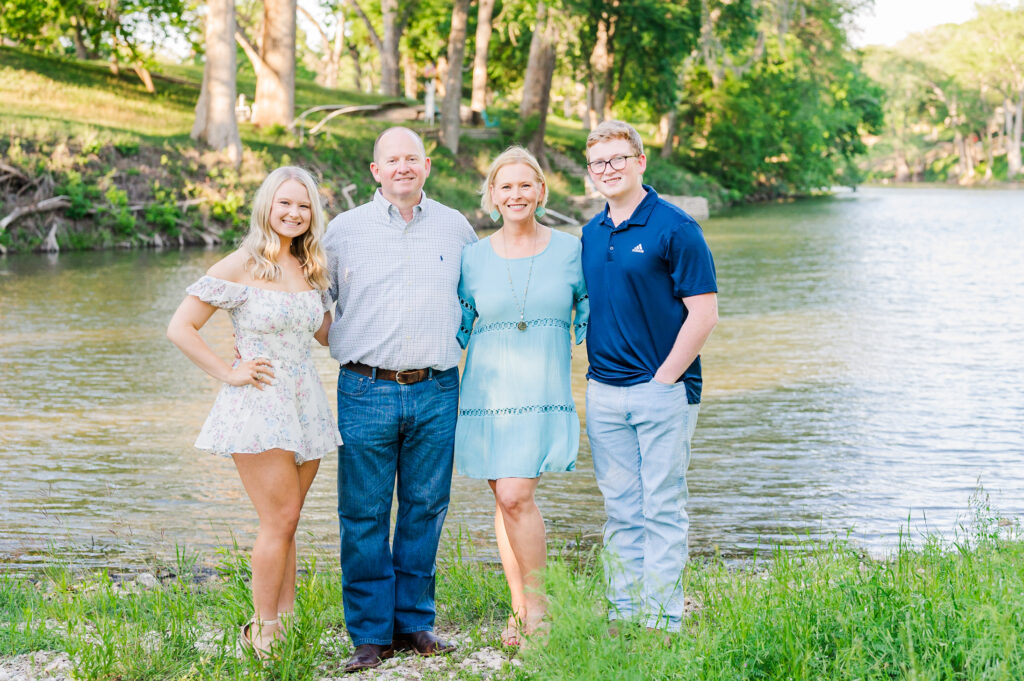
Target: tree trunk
(145, 76)
(409, 77)
(442, 76)
(327, 66)
(1013, 160)
(478, 102)
(1007, 122)
(959, 150)
(588, 106)
(667, 129)
(389, 48)
(81, 51)
(215, 121)
(275, 79)
(533, 109)
(357, 72)
(991, 130)
(601, 62)
(453, 87)
(337, 48)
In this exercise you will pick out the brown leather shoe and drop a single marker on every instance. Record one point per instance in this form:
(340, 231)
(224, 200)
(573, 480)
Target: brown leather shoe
(367, 656)
(423, 643)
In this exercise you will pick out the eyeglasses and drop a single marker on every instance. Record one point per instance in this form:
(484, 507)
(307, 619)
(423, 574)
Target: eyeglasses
(616, 162)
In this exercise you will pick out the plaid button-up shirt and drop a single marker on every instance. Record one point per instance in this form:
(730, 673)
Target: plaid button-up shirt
(396, 284)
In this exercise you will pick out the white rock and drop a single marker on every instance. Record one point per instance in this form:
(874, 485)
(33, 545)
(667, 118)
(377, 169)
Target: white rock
(146, 580)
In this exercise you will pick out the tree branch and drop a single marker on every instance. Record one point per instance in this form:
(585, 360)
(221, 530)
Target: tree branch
(369, 25)
(250, 50)
(319, 28)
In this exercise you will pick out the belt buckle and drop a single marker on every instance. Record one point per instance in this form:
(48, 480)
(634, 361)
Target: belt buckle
(401, 380)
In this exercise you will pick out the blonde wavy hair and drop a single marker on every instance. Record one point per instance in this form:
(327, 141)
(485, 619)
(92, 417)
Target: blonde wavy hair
(510, 156)
(263, 245)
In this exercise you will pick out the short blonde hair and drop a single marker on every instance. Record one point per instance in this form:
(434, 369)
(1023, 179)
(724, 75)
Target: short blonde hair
(616, 130)
(262, 243)
(511, 156)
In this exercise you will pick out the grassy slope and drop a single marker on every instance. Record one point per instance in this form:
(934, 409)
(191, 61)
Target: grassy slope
(81, 131)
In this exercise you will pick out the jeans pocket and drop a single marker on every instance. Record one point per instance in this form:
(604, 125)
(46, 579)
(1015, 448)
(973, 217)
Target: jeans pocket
(447, 380)
(352, 384)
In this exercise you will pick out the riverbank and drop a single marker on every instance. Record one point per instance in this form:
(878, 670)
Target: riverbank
(90, 160)
(933, 610)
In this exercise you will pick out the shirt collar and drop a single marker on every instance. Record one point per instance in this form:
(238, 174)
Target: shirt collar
(389, 210)
(640, 214)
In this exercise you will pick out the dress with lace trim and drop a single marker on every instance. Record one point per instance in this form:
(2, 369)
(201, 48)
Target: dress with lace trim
(516, 412)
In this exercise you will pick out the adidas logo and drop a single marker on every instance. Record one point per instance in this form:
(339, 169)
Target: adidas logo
(639, 248)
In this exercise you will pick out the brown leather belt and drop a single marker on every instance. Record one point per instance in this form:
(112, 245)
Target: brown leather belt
(404, 377)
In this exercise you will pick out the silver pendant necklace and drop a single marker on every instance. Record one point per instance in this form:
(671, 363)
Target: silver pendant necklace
(508, 268)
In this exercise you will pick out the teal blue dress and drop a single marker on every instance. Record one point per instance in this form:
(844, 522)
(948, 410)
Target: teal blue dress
(517, 418)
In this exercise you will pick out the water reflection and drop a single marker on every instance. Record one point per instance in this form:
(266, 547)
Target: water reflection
(866, 371)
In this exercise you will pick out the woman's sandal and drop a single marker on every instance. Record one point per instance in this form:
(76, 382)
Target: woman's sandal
(245, 638)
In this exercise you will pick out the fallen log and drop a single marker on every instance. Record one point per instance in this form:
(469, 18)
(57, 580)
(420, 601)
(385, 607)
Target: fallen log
(52, 203)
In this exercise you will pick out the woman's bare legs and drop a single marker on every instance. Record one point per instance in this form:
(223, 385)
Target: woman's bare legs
(522, 545)
(286, 598)
(273, 483)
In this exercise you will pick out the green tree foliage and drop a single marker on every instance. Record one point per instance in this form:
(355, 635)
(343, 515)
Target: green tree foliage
(130, 29)
(954, 96)
(647, 42)
(764, 96)
(791, 122)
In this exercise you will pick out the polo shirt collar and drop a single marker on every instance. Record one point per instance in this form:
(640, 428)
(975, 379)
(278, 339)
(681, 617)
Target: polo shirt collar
(640, 214)
(388, 210)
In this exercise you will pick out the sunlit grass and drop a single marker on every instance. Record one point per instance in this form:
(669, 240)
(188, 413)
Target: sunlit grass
(940, 611)
(820, 610)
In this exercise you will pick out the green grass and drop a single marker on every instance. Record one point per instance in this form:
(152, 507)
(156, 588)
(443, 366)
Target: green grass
(939, 611)
(79, 130)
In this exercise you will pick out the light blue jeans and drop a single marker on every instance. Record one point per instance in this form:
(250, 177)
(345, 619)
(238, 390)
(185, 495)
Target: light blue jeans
(640, 441)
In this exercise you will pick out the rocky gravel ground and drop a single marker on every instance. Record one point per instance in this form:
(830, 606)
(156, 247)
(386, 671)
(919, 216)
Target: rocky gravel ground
(465, 662)
(46, 665)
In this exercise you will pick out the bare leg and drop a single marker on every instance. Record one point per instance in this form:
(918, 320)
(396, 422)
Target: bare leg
(524, 530)
(271, 480)
(286, 598)
(514, 577)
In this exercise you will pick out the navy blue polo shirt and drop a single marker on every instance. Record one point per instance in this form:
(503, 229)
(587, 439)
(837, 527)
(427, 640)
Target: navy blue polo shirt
(637, 272)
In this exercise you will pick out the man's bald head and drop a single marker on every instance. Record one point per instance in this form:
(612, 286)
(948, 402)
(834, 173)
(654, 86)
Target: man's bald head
(401, 165)
(397, 131)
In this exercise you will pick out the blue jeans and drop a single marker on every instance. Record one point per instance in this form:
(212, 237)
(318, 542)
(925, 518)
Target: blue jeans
(640, 441)
(402, 434)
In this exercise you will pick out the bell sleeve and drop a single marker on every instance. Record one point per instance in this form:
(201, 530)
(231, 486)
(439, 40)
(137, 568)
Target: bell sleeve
(468, 305)
(580, 300)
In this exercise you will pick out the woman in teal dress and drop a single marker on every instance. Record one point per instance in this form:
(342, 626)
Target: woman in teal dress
(522, 289)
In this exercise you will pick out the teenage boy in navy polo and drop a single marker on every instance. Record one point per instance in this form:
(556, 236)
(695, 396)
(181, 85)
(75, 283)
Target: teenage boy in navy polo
(653, 304)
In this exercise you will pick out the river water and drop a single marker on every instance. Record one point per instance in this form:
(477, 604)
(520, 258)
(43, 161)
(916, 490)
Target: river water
(867, 375)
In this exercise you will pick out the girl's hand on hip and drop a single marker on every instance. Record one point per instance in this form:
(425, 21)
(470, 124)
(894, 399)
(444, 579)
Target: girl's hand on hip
(258, 372)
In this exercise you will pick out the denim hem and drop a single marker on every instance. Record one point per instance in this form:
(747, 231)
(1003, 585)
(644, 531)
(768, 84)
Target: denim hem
(414, 629)
(374, 641)
(672, 625)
